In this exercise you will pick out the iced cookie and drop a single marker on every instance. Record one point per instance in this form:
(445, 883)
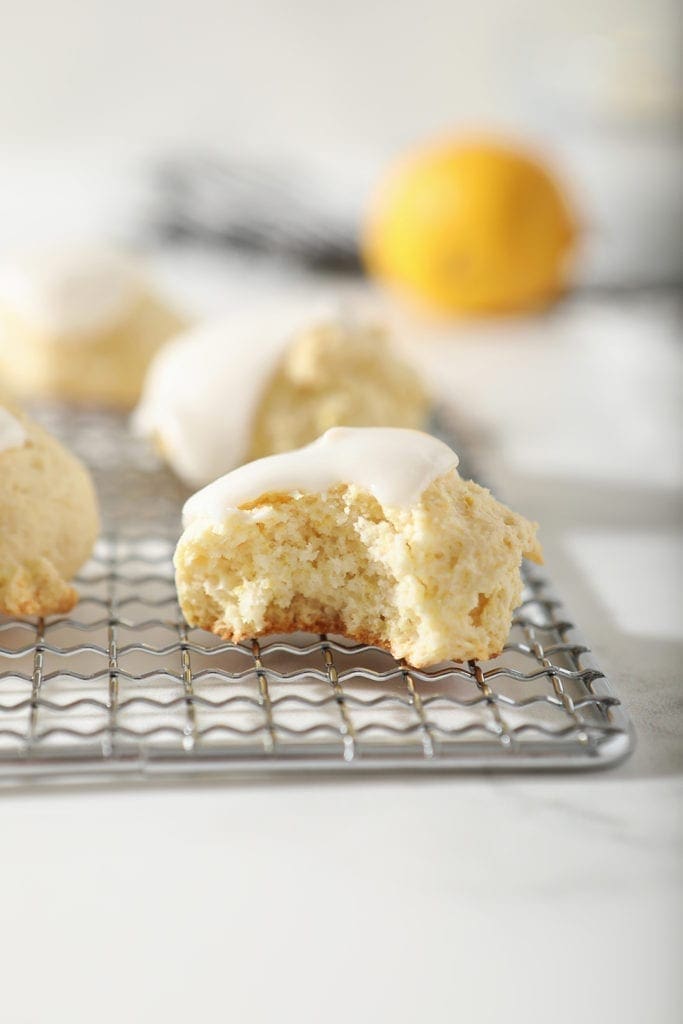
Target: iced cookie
(370, 533)
(250, 386)
(80, 325)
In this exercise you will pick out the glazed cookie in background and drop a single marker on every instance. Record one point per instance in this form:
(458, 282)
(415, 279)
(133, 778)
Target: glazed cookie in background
(49, 519)
(250, 386)
(80, 325)
(370, 533)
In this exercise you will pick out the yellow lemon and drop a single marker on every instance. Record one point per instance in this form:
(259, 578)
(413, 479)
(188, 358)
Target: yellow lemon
(470, 227)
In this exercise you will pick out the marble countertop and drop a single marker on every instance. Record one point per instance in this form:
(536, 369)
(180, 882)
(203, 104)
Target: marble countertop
(480, 898)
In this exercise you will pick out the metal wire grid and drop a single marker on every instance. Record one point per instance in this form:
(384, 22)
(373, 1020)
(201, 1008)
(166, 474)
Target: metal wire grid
(124, 688)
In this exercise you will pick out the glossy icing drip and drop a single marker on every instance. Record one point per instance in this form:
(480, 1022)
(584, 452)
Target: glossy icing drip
(395, 465)
(203, 389)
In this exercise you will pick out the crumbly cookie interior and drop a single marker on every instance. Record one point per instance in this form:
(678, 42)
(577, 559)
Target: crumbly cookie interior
(438, 580)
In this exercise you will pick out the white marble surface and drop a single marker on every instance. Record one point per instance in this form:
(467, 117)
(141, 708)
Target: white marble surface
(536, 898)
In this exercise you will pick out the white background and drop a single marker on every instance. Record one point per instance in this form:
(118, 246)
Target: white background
(306, 74)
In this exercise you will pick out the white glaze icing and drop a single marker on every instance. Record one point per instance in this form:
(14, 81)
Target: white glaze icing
(393, 464)
(12, 432)
(203, 388)
(70, 292)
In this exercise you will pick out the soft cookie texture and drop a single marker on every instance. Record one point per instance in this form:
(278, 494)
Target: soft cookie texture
(49, 519)
(368, 533)
(80, 325)
(265, 382)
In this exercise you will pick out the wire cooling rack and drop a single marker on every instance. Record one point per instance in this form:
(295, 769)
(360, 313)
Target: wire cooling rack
(123, 688)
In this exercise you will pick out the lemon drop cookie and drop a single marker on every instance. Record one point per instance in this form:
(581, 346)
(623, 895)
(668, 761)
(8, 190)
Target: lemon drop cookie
(368, 532)
(80, 325)
(48, 519)
(253, 385)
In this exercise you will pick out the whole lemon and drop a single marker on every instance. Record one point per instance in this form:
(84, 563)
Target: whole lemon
(470, 227)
